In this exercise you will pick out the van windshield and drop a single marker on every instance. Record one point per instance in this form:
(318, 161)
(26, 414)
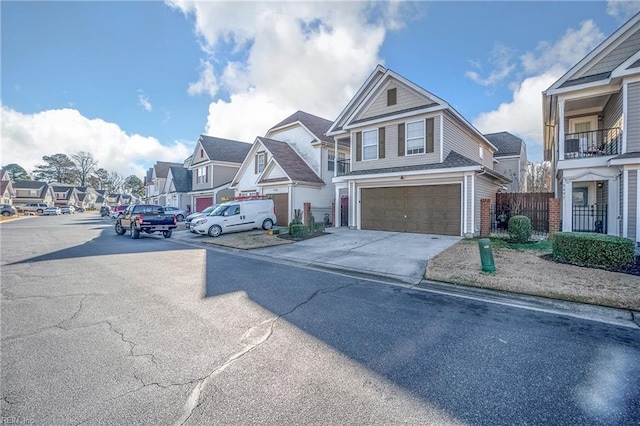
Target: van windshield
(219, 211)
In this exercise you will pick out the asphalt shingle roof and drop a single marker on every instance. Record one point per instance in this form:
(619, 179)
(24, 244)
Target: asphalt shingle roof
(292, 164)
(181, 179)
(317, 125)
(32, 184)
(506, 143)
(453, 160)
(162, 168)
(226, 150)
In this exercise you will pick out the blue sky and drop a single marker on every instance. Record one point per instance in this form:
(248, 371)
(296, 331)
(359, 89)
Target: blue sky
(137, 82)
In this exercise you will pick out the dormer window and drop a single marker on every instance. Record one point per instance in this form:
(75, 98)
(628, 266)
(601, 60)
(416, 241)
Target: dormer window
(392, 96)
(260, 162)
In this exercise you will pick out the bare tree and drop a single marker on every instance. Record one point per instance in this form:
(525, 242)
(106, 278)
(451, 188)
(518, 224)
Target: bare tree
(115, 183)
(85, 165)
(539, 176)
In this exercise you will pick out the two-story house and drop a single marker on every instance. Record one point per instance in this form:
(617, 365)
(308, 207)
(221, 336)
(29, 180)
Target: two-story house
(155, 182)
(7, 193)
(510, 159)
(213, 164)
(177, 188)
(293, 164)
(416, 164)
(65, 195)
(31, 191)
(591, 118)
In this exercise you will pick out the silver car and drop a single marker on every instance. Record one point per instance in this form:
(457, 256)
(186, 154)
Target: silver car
(189, 219)
(180, 214)
(52, 211)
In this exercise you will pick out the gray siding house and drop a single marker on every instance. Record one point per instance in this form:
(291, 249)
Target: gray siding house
(416, 164)
(214, 163)
(591, 117)
(510, 159)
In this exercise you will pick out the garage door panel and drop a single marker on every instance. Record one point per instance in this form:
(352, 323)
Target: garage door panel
(432, 209)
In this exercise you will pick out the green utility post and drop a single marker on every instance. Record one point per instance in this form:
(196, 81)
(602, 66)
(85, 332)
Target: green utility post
(486, 255)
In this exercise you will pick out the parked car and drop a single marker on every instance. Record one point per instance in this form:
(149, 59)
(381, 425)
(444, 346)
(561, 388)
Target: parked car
(180, 214)
(105, 211)
(79, 209)
(32, 208)
(7, 210)
(51, 211)
(189, 219)
(67, 209)
(235, 216)
(118, 211)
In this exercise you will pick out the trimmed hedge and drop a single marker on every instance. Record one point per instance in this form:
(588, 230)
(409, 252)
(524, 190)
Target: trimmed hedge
(519, 228)
(593, 250)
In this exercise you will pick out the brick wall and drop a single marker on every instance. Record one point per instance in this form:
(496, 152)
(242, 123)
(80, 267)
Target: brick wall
(554, 216)
(485, 217)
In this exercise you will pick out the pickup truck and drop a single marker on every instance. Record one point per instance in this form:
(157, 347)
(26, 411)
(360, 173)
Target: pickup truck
(147, 218)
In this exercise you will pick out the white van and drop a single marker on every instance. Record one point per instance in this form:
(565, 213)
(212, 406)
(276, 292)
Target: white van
(235, 216)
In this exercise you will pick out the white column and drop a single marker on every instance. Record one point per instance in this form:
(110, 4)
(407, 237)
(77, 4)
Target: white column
(336, 207)
(613, 192)
(567, 206)
(561, 131)
(625, 203)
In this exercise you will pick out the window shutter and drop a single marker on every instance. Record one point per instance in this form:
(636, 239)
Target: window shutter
(401, 140)
(430, 147)
(359, 146)
(381, 132)
(255, 164)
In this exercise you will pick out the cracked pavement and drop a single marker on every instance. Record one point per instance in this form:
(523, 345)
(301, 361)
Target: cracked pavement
(101, 329)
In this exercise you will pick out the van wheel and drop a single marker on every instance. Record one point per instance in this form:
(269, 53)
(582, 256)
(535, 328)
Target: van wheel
(166, 234)
(135, 233)
(215, 231)
(267, 224)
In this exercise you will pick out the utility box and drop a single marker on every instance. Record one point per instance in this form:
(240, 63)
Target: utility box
(486, 255)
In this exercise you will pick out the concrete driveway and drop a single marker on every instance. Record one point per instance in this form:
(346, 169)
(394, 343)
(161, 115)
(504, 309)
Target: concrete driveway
(395, 255)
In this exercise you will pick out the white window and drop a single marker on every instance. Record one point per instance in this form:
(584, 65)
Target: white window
(370, 145)
(331, 156)
(260, 162)
(481, 152)
(415, 137)
(202, 175)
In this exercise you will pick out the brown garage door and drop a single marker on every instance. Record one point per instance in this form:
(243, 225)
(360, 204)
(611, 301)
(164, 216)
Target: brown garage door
(281, 204)
(429, 209)
(203, 202)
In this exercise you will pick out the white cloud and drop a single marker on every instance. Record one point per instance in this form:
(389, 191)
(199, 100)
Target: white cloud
(622, 10)
(26, 138)
(207, 83)
(288, 56)
(143, 100)
(522, 115)
(502, 60)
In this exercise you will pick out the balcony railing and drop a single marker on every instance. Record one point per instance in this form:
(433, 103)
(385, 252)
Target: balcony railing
(344, 167)
(593, 143)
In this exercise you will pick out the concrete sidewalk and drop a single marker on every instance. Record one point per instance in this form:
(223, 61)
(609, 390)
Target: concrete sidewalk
(395, 255)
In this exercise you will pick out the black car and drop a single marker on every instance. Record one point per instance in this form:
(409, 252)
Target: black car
(105, 211)
(7, 210)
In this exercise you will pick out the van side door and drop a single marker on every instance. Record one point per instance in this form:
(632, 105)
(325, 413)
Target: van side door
(232, 220)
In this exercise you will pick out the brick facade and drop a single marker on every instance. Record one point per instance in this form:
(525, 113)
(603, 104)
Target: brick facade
(554, 216)
(485, 217)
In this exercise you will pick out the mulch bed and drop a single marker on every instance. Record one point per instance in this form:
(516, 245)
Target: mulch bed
(633, 269)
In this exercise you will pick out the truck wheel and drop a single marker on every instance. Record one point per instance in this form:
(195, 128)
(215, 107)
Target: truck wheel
(179, 218)
(267, 224)
(215, 231)
(135, 233)
(166, 234)
(119, 229)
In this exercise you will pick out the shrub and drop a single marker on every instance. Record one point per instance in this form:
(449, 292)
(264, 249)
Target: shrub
(298, 231)
(318, 228)
(297, 217)
(593, 250)
(519, 228)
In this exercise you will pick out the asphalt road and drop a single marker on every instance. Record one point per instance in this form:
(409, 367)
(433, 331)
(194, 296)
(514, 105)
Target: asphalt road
(101, 329)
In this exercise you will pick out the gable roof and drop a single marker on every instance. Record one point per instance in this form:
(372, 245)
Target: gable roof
(42, 187)
(506, 143)
(371, 88)
(317, 125)
(602, 61)
(162, 168)
(181, 179)
(226, 150)
(289, 161)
